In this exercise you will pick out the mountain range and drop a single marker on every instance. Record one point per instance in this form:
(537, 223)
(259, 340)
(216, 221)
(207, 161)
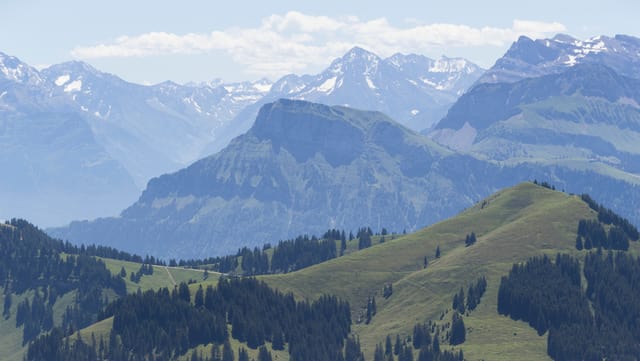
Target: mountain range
(581, 116)
(414, 90)
(528, 58)
(138, 132)
(306, 167)
(302, 167)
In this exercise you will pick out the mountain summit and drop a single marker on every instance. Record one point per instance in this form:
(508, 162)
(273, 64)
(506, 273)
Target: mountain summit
(529, 58)
(412, 89)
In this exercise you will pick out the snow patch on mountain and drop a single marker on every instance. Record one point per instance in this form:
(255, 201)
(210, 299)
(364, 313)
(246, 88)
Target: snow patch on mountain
(328, 85)
(528, 58)
(75, 85)
(370, 83)
(62, 80)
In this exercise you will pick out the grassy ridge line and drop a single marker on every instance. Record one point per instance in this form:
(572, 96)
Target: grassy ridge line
(159, 279)
(512, 225)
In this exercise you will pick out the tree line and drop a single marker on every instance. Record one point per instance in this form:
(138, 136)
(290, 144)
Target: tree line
(600, 323)
(164, 324)
(31, 260)
(286, 256)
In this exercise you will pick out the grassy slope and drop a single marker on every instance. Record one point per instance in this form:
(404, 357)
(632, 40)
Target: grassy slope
(512, 226)
(11, 337)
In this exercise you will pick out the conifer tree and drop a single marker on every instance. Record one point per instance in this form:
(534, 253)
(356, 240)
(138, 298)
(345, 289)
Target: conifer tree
(227, 351)
(388, 348)
(378, 355)
(458, 331)
(264, 354)
(199, 298)
(243, 355)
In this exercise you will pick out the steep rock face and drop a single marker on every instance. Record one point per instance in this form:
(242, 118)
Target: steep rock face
(529, 58)
(302, 168)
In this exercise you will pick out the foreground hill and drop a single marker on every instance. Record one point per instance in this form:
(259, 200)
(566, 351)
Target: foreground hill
(511, 226)
(436, 292)
(47, 283)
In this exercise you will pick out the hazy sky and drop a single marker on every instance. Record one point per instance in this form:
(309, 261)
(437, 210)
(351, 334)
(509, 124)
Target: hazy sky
(149, 41)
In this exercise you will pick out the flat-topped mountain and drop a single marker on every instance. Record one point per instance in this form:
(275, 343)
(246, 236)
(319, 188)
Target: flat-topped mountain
(302, 168)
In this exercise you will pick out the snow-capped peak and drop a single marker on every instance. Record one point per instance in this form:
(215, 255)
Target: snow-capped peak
(356, 58)
(14, 69)
(532, 58)
(451, 65)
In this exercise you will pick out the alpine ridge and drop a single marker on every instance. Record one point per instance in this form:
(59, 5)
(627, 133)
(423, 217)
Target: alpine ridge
(302, 168)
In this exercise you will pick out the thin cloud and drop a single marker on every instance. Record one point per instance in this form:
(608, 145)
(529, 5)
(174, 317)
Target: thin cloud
(295, 41)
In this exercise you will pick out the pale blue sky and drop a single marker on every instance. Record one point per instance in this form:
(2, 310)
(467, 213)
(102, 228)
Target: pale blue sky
(194, 40)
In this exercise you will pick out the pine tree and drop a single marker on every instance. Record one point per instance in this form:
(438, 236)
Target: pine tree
(438, 251)
(388, 348)
(199, 298)
(227, 351)
(278, 340)
(587, 243)
(378, 355)
(458, 301)
(458, 331)
(243, 355)
(216, 355)
(352, 350)
(264, 354)
(407, 353)
(183, 292)
(579, 246)
(7, 305)
(208, 298)
(398, 346)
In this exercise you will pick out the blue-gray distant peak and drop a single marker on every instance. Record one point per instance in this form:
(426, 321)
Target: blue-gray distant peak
(527, 58)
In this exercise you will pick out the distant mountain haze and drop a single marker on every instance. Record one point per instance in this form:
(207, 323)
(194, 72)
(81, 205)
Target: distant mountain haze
(145, 131)
(529, 58)
(304, 168)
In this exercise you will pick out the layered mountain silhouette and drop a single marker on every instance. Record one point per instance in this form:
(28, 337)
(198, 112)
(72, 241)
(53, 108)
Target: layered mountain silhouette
(414, 90)
(145, 131)
(301, 169)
